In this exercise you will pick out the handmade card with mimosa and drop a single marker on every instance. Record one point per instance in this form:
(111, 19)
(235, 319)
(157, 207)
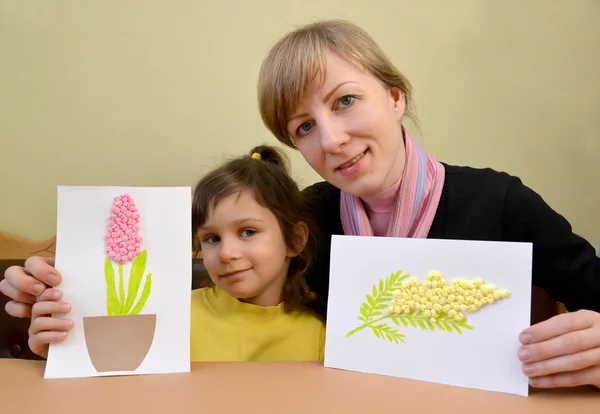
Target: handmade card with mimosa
(444, 311)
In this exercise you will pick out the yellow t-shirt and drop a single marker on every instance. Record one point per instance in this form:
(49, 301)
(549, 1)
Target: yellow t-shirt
(225, 329)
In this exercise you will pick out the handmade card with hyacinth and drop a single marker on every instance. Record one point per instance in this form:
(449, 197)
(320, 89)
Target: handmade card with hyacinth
(443, 311)
(125, 257)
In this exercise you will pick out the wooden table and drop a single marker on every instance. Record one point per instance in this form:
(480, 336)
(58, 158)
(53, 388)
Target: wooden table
(282, 388)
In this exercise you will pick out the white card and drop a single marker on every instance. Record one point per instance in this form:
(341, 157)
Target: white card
(371, 329)
(132, 318)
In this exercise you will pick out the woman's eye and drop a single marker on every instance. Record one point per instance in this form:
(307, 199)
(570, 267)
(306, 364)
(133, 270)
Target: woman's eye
(304, 128)
(346, 100)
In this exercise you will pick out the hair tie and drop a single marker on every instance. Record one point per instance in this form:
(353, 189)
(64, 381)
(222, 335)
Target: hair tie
(256, 156)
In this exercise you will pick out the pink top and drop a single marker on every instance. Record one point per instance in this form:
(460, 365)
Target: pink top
(379, 208)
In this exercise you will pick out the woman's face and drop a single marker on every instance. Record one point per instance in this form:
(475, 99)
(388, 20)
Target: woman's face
(349, 131)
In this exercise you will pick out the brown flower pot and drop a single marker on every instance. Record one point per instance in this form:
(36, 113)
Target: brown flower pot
(118, 343)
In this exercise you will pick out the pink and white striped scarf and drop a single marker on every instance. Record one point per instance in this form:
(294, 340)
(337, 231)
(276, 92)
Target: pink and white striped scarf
(419, 196)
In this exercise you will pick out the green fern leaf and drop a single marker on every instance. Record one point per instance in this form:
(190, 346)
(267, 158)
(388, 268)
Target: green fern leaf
(370, 300)
(430, 325)
(384, 330)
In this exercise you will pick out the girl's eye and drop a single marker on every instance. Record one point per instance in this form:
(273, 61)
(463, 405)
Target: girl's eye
(248, 233)
(211, 239)
(304, 128)
(345, 101)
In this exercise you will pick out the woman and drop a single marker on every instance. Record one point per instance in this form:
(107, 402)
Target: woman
(327, 90)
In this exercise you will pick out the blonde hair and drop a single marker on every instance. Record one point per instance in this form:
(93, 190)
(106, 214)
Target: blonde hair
(297, 58)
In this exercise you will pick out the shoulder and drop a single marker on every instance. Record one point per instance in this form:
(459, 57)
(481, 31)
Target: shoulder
(307, 324)
(202, 300)
(470, 180)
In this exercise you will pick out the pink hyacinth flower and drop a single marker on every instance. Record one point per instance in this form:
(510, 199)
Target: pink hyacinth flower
(122, 238)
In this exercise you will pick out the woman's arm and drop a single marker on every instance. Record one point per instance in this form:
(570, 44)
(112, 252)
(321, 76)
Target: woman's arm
(563, 351)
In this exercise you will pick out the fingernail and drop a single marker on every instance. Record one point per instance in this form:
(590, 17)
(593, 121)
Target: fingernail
(529, 369)
(53, 280)
(55, 294)
(65, 307)
(37, 289)
(525, 338)
(523, 354)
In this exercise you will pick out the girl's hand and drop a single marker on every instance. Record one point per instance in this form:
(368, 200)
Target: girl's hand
(30, 284)
(45, 329)
(563, 351)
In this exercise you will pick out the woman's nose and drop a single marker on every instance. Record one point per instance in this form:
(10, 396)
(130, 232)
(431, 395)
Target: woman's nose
(333, 136)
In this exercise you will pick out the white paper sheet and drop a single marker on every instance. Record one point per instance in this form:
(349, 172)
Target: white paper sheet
(165, 225)
(483, 358)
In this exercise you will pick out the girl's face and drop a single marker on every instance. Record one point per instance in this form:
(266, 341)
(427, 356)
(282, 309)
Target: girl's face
(348, 129)
(244, 251)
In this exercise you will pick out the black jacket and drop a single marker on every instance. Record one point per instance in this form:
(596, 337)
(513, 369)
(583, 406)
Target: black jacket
(483, 204)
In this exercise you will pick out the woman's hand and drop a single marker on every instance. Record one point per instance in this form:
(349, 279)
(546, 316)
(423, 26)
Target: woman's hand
(563, 351)
(45, 329)
(30, 284)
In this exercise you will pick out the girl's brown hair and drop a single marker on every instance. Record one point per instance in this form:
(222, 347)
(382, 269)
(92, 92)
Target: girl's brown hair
(297, 58)
(269, 182)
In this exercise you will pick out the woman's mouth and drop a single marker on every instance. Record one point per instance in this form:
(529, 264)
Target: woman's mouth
(353, 165)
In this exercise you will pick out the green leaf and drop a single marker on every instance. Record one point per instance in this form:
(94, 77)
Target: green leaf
(381, 288)
(421, 324)
(144, 297)
(370, 300)
(447, 326)
(430, 325)
(463, 324)
(136, 274)
(385, 331)
(121, 286)
(112, 301)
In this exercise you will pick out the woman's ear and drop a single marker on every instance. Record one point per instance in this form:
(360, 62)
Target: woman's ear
(300, 239)
(398, 102)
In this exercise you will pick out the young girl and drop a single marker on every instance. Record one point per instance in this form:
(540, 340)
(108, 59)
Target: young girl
(253, 232)
(257, 243)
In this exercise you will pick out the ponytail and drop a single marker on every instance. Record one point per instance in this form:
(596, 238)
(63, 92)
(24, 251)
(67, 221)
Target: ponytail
(271, 155)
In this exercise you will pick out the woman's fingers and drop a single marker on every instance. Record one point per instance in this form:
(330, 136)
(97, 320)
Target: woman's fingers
(49, 308)
(588, 376)
(39, 343)
(46, 324)
(559, 325)
(45, 329)
(566, 363)
(50, 294)
(15, 294)
(18, 309)
(42, 268)
(18, 278)
(567, 344)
